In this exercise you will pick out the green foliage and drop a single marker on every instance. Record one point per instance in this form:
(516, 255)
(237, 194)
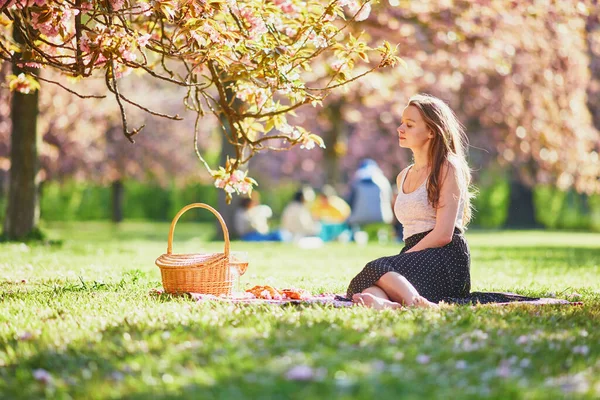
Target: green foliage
(80, 319)
(78, 201)
(491, 199)
(567, 210)
(143, 201)
(194, 193)
(74, 201)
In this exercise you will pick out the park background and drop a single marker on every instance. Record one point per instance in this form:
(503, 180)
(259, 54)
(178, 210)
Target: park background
(77, 318)
(526, 87)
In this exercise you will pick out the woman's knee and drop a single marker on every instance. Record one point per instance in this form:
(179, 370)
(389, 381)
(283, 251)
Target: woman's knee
(388, 276)
(377, 292)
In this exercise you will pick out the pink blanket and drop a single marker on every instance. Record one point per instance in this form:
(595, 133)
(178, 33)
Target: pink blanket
(329, 299)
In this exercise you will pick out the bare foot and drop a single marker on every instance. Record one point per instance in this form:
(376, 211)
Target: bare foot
(368, 300)
(422, 302)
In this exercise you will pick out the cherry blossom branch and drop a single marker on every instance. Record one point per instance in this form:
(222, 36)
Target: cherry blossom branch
(273, 113)
(113, 79)
(81, 96)
(175, 117)
(196, 129)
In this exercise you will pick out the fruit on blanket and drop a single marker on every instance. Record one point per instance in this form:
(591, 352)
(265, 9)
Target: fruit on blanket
(296, 294)
(265, 292)
(270, 293)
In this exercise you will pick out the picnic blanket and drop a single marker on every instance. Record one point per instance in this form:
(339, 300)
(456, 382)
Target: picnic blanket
(336, 300)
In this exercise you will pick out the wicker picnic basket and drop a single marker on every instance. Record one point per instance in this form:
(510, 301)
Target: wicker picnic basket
(207, 273)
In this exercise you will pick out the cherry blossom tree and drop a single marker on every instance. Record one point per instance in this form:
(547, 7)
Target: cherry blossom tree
(262, 51)
(515, 72)
(81, 139)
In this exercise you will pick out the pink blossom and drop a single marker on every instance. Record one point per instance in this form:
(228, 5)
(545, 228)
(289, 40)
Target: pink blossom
(317, 40)
(48, 28)
(145, 8)
(308, 145)
(300, 373)
(23, 85)
(423, 359)
(116, 5)
(86, 6)
(201, 40)
(84, 44)
(237, 176)
(244, 187)
(247, 61)
(523, 339)
(360, 14)
(220, 183)
(101, 59)
(257, 25)
(43, 376)
(143, 40)
(329, 17)
(583, 350)
(286, 6)
(212, 33)
(26, 336)
(503, 369)
(337, 65)
(229, 188)
(290, 32)
(127, 54)
(364, 13)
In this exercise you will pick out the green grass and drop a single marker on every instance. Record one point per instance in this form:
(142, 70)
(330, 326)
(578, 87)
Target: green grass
(78, 316)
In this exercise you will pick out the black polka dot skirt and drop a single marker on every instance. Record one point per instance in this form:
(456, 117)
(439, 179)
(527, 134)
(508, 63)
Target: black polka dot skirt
(440, 273)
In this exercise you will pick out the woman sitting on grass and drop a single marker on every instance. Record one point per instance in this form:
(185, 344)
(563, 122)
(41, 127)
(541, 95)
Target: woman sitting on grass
(434, 206)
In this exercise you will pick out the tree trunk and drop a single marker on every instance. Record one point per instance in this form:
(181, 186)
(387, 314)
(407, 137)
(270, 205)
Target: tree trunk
(22, 211)
(118, 192)
(521, 209)
(227, 211)
(332, 142)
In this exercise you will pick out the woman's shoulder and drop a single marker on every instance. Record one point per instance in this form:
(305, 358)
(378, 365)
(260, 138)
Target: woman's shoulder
(402, 173)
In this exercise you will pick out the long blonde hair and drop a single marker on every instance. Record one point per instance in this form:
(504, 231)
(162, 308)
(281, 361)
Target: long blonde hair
(448, 146)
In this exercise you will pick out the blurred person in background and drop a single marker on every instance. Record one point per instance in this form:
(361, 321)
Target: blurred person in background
(251, 221)
(370, 196)
(297, 218)
(331, 211)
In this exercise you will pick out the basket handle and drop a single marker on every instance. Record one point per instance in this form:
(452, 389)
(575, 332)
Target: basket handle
(207, 207)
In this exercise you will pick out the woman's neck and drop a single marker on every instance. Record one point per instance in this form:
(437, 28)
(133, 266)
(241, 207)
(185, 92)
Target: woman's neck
(421, 159)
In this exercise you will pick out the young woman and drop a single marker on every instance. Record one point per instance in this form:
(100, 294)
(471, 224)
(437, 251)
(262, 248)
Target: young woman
(434, 206)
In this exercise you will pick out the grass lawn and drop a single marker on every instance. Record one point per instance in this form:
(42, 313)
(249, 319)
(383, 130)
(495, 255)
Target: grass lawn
(76, 321)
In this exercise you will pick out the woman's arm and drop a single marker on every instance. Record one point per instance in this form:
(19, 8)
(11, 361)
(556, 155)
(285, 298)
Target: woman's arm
(446, 213)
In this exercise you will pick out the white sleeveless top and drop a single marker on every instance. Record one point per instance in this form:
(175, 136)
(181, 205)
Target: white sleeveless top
(414, 211)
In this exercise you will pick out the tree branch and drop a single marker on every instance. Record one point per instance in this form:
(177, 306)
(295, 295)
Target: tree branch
(81, 96)
(113, 79)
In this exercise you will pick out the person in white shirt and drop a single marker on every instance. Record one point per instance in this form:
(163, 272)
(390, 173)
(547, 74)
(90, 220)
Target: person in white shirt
(251, 221)
(297, 218)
